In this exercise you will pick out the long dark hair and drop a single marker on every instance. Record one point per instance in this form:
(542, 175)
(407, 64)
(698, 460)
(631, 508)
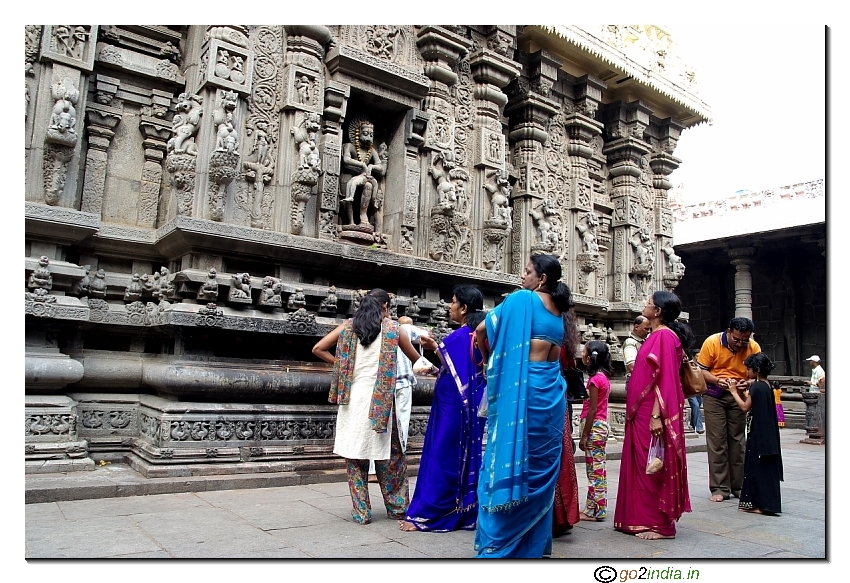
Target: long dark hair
(368, 317)
(471, 297)
(600, 357)
(671, 307)
(561, 295)
(760, 363)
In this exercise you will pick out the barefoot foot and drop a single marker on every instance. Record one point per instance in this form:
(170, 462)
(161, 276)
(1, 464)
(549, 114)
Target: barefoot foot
(583, 516)
(717, 498)
(651, 535)
(406, 526)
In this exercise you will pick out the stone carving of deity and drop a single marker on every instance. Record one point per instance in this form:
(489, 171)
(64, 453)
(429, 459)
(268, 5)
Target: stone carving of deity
(185, 124)
(542, 215)
(441, 167)
(499, 187)
(304, 90)
(133, 291)
(40, 277)
(63, 119)
(380, 40)
(97, 289)
(297, 300)
(641, 242)
(270, 293)
(364, 164)
(412, 309)
(209, 289)
(79, 42)
(587, 227)
(240, 286)
(494, 145)
(674, 262)
(329, 303)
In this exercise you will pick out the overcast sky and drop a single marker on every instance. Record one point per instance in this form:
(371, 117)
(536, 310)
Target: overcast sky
(766, 87)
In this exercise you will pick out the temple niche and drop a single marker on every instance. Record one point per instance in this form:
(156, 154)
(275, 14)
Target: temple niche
(203, 202)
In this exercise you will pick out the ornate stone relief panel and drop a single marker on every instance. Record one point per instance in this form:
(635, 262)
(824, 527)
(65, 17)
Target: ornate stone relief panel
(70, 44)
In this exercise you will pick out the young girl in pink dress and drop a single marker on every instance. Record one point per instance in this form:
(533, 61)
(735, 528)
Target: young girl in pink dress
(595, 428)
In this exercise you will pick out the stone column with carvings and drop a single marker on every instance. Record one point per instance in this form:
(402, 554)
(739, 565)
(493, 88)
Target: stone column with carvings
(224, 81)
(68, 56)
(303, 101)
(336, 104)
(448, 190)
(633, 202)
(156, 132)
(491, 71)
(669, 268)
(742, 259)
(102, 118)
(529, 109)
(582, 130)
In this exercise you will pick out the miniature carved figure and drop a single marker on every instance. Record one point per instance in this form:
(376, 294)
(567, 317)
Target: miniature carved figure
(97, 289)
(226, 136)
(297, 300)
(222, 65)
(133, 292)
(644, 250)
(64, 39)
(150, 287)
(362, 160)
(587, 229)
(40, 277)
(262, 145)
(270, 294)
(412, 309)
(209, 289)
(237, 73)
(166, 286)
(81, 288)
(548, 237)
(498, 186)
(185, 124)
(440, 315)
(380, 40)
(329, 303)
(441, 166)
(303, 89)
(240, 286)
(495, 147)
(674, 262)
(305, 138)
(63, 119)
(78, 45)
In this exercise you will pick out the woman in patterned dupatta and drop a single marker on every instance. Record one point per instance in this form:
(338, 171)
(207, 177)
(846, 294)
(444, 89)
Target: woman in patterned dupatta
(363, 386)
(648, 505)
(445, 498)
(526, 396)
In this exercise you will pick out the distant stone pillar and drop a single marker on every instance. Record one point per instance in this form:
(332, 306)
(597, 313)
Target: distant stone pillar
(742, 260)
(102, 120)
(815, 418)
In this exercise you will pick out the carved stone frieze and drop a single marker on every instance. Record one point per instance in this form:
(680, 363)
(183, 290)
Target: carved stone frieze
(70, 44)
(302, 323)
(227, 66)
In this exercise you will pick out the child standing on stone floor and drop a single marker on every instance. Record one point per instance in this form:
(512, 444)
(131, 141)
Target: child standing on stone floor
(763, 459)
(595, 429)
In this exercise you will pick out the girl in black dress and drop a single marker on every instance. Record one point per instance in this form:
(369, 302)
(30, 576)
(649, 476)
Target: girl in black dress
(763, 459)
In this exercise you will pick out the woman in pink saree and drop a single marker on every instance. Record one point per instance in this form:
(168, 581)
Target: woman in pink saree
(648, 505)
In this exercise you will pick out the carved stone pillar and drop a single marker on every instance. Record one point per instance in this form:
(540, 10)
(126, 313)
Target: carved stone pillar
(303, 104)
(446, 199)
(336, 104)
(815, 418)
(670, 268)
(101, 123)
(156, 132)
(491, 71)
(742, 260)
(224, 81)
(626, 150)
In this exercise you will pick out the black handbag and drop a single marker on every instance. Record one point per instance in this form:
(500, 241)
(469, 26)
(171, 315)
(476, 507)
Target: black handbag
(576, 390)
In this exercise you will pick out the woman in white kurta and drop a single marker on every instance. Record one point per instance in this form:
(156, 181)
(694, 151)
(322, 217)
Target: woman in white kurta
(363, 386)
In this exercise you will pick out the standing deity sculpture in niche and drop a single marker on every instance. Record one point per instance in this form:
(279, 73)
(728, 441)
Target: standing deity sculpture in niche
(441, 166)
(547, 235)
(644, 250)
(587, 227)
(499, 187)
(364, 165)
(185, 124)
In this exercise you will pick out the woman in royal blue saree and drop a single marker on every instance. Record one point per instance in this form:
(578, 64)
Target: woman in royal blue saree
(522, 339)
(445, 497)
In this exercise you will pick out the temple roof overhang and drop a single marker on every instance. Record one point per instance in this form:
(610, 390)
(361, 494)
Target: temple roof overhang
(636, 62)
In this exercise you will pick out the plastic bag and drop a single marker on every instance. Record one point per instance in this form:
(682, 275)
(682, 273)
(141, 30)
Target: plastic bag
(655, 459)
(484, 403)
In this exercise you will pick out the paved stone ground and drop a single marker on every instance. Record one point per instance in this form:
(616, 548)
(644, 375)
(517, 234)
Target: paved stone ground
(313, 521)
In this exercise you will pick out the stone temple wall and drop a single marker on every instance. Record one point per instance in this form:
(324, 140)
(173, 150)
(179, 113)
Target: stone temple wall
(202, 203)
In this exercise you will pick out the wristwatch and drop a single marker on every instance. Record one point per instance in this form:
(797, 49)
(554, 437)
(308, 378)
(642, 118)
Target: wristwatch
(656, 416)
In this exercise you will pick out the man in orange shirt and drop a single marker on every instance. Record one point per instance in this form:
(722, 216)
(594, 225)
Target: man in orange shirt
(722, 359)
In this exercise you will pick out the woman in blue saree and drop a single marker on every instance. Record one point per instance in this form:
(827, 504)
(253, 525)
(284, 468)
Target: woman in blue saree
(522, 340)
(445, 497)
